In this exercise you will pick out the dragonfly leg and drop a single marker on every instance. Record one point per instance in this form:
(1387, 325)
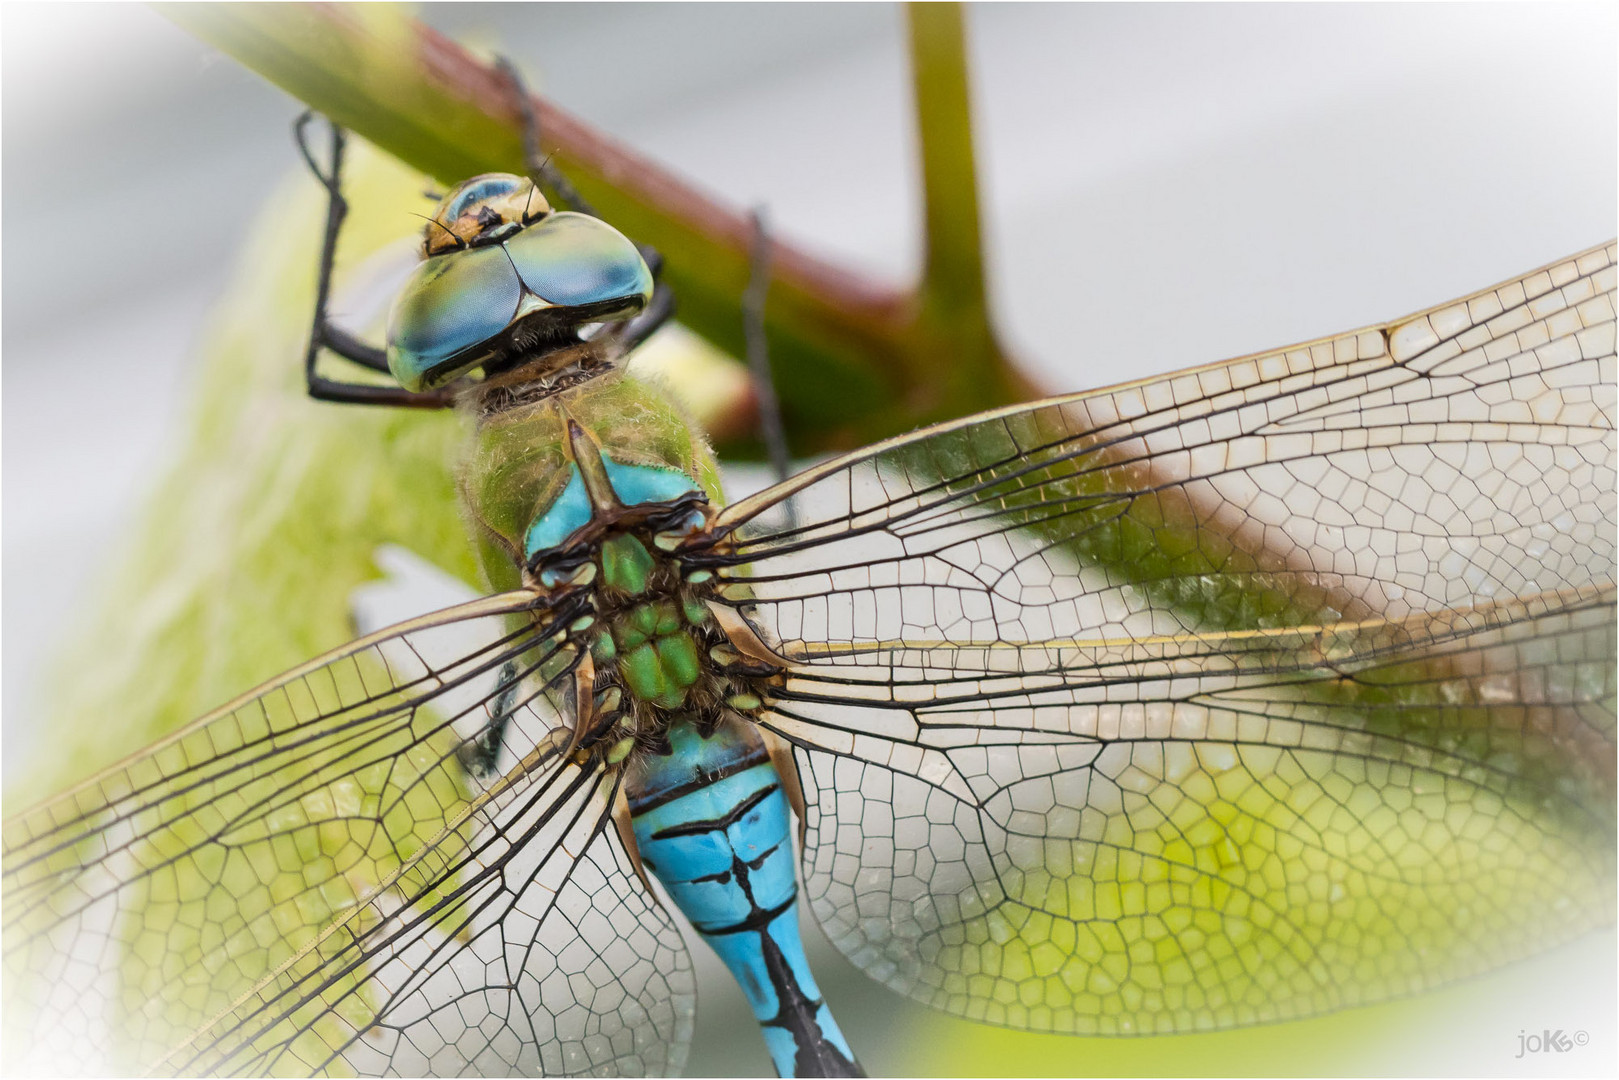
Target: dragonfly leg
(540, 170)
(481, 753)
(771, 428)
(323, 334)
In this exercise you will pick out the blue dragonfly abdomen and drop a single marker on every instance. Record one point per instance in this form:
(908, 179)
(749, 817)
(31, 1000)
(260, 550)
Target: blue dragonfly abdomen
(711, 822)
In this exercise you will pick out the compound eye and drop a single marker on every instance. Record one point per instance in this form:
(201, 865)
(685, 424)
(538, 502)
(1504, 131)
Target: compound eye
(582, 264)
(483, 210)
(448, 312)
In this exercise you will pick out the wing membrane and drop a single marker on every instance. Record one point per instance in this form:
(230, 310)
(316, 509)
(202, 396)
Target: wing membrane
(1351, 478)
(1237, 695)
(240, 896)
(546, 958)
(1269, 851)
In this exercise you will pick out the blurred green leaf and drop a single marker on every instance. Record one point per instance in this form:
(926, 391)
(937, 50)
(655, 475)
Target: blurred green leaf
(268, 518)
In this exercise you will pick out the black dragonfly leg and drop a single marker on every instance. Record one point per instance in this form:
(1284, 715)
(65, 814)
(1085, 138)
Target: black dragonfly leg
(771, 428)
(323, 334)
(540, 170)
(480, 753)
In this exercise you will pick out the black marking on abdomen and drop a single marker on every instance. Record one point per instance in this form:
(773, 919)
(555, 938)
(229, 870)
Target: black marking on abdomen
(752, 864)
(719, 824)
(755, 920)
(815, 1055)
(723, 757)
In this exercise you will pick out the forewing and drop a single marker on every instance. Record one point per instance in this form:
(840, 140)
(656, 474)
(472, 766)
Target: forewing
(1274, 686)
(548, 957)
(241, 896)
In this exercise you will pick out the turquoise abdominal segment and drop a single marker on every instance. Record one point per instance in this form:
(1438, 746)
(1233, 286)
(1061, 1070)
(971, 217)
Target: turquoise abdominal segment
(750, 815)
(448, 317)
(711, 821)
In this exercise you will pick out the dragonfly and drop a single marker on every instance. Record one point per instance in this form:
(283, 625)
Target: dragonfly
(1189, 703)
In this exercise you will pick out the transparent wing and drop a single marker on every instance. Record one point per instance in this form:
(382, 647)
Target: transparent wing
(315, 878)
(547, 958)
(1254, 691)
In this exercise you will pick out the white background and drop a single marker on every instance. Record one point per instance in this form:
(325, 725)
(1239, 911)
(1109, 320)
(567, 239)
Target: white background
(1164, 185)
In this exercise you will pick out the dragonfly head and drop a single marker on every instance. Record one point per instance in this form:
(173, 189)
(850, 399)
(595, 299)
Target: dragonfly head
(506, 279)
(483, 210)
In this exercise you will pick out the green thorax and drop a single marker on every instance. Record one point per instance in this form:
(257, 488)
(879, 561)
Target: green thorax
(653, 638)
(608, 451)
(519, 463)
(658, 654)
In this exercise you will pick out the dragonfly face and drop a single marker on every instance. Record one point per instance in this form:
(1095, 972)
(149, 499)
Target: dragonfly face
(504, 275)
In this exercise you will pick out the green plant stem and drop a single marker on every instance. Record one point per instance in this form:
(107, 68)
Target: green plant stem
(953, 269)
